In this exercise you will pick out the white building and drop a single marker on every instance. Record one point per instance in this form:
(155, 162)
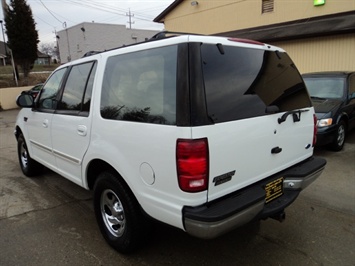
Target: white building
(77, 40)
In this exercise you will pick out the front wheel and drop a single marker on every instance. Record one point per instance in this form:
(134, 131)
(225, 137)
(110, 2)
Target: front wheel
(28, 166)
(118, 213)
(338, 143)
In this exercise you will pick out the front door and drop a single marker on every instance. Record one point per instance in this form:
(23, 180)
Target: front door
(39, 121)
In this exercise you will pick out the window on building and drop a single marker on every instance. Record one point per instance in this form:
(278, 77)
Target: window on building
(267, 6)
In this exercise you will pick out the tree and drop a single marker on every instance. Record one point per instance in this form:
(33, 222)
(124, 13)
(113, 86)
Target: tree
(22, 34)
(49, 49)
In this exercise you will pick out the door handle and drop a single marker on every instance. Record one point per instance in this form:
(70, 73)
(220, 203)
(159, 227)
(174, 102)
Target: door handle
(45, 123)
(82, 130)
(276, 150)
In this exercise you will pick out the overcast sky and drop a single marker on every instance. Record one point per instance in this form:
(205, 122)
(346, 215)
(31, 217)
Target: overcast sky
(55, 15)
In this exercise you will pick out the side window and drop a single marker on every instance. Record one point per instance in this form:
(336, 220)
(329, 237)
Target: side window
(352, 84)
(141, 86)
(88, 91)
(47, 99)
(78, 88)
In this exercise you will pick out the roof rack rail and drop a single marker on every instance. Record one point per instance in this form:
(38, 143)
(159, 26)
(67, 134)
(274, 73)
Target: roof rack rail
(165, 34)
(91, 53)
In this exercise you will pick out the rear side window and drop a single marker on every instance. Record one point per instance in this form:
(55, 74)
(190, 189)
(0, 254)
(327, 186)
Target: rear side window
(141, 86)
(78, 88)
(241, 82)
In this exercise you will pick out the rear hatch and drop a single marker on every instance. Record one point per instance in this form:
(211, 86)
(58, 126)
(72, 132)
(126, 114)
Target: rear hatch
(260, 115)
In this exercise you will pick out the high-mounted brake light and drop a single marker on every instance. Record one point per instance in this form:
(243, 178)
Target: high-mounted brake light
(192, 163)
(245, 41)
(314, 130)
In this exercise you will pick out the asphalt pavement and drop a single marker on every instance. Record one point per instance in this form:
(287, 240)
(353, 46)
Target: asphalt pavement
(48, 220)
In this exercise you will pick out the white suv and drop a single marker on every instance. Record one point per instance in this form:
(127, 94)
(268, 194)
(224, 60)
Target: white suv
(202, 133)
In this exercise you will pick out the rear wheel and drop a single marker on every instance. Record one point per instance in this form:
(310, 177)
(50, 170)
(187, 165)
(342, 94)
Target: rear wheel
(118, 213)
(28, 166)
(338, 143)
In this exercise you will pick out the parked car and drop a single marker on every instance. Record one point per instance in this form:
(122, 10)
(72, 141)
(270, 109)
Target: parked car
(34, 90)
(199, 132)
(333, 97)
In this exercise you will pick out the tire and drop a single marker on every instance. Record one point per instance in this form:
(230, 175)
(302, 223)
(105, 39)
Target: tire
(338, 143)
(118, 213)
(29, 166)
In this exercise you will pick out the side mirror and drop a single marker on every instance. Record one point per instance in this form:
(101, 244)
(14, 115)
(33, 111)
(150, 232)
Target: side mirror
(24, 100)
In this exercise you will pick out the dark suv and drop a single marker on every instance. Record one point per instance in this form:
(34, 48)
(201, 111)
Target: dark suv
(333, 97)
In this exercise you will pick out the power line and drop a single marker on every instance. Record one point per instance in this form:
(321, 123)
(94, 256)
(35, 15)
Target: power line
(50, 12)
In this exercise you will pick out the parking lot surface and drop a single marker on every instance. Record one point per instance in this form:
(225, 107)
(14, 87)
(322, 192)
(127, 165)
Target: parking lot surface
(48, 220)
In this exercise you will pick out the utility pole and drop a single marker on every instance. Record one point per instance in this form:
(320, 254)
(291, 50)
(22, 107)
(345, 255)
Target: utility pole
(130, 15)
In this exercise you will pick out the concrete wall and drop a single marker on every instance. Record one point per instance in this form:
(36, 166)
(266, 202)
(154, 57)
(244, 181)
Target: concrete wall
(8, 96)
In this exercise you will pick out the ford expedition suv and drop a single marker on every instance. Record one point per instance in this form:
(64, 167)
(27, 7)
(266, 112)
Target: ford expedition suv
(202, 133)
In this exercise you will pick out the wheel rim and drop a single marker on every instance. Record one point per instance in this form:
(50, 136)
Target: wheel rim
(341, 135)
(24, 155)
(112, 213)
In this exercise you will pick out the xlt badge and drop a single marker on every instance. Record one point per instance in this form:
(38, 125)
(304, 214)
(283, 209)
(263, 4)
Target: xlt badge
(223, 178)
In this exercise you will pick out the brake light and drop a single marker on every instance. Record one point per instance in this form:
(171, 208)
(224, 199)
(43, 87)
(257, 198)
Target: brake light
(314, 130)
(192, 162)
(245, 41)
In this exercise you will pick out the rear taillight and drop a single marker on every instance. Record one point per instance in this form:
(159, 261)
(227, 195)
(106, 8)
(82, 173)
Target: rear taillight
(314, 130)
(192, 164)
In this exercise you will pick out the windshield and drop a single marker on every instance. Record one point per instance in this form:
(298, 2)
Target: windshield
(325, 87)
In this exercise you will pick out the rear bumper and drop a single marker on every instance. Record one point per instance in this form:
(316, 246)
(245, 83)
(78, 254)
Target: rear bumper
(218, 217)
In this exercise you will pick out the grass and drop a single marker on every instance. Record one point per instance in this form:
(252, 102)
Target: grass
(38, 74)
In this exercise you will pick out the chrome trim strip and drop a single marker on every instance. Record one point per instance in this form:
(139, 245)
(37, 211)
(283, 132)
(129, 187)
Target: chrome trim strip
(57, 153)
(45, 148)
(66, 157)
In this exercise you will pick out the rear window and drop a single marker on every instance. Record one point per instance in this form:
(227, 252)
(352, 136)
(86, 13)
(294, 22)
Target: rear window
(242, 82)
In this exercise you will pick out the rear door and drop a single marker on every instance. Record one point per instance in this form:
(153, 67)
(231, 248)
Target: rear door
(261, 114)
(71, 123)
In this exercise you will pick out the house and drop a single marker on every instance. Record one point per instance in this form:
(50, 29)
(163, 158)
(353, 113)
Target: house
(3, 53)
(319, 35)
(82, 38)
(42, 59)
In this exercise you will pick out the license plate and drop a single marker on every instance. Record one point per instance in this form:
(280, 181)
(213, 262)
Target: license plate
(274, 189)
